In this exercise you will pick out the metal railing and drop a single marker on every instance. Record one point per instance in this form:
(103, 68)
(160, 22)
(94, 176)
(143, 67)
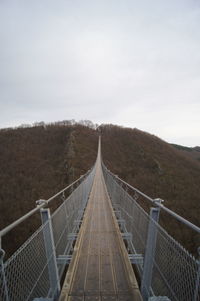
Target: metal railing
(35, 269)
(165, 268)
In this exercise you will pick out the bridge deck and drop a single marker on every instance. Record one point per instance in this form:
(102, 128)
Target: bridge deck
(100, 268)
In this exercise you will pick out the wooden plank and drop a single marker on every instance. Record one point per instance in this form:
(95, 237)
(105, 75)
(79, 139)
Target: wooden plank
(100, 268)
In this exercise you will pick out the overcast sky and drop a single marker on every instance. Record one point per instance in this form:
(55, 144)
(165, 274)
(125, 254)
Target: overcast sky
(128, 62)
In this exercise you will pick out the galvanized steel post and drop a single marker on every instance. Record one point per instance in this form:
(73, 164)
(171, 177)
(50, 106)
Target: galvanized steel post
(3, 276)
(149, 253)
(50, 252)
(197, 285)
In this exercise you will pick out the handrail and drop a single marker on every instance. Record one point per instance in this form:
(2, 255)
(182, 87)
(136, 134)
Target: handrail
(156, 202)
(41, 204)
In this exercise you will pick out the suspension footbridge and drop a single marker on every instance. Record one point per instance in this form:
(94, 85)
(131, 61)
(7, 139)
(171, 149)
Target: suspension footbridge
(94, 245)
(100, 269)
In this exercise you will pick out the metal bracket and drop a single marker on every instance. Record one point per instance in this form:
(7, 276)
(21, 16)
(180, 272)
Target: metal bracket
(121, 222)
(78, 222)
(158, 201)
(127, 236)
(72, 236)
(159, 298)
(63, 198)
(64, 259)
(136, 196)
(117, 213)
(40, 202)
(136, 259)
(43, 299)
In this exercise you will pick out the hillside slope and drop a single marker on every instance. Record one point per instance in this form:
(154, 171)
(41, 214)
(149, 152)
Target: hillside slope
(159, 170)
(191, 152)
(37, 162)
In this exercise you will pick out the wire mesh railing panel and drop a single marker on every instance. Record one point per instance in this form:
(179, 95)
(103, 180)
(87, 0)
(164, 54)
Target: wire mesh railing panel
(34, 270)
(63, 221)
(175, 270)
(39, 290)
(26, 271)
(175, 273)
(65, 218)
(136, 219)
(139, 229)
(60, 226)
(59, 221)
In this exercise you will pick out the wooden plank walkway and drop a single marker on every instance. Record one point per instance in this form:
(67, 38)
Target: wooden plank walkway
(100, 268)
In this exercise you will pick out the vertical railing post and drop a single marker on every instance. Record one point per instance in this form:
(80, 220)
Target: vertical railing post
(84, 196)
(197, 284)
(3, 276)
(149, 253)
(50, 252)
(113, 188)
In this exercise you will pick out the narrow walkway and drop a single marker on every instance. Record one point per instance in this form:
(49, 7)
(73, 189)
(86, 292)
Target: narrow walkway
(100, 268)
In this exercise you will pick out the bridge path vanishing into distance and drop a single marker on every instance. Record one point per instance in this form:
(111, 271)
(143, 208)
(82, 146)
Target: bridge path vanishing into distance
(100, 269)
(92, 246)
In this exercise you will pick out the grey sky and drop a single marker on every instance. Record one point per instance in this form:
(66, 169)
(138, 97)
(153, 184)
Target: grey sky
(128, 62)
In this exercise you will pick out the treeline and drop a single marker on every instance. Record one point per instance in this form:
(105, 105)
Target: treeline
(191, 152)
(71, 122)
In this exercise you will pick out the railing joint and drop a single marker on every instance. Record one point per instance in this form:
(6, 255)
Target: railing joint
(41, 202)
(158, 201)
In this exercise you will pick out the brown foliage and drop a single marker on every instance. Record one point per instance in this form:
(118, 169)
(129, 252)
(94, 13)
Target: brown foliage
(36, 163)
(157, 169)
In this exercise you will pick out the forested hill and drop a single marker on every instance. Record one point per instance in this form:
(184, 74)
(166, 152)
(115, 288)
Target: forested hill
(159, 170)
(35, 163)
(192, 152)
(38, 161)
